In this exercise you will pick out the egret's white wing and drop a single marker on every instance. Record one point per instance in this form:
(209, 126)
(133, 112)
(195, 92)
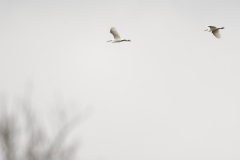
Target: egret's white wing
(212, 27)
(216, 33)
(115, 34)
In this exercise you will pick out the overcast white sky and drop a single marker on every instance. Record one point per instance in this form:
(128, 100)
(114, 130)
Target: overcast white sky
(172, 93)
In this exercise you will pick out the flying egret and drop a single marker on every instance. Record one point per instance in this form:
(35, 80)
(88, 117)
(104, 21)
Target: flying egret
(116, 36)
(214, 30)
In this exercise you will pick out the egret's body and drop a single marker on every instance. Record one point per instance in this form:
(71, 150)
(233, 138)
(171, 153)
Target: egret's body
(116, 36)
(214, 30)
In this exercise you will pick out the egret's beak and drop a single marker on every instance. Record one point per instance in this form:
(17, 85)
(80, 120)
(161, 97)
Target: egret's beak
(109, 41)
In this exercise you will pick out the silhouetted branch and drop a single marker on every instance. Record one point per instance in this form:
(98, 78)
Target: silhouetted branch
(23, 138)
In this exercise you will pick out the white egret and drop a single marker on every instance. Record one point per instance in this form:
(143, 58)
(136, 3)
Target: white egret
(116, 36)
(214, 30)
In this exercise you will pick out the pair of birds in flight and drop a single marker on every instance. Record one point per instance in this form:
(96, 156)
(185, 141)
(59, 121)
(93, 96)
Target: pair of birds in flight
(117, 38)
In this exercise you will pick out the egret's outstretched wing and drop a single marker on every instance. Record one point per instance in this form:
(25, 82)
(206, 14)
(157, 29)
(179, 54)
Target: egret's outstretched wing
(212, 27)
(115, 34)
(216, 33)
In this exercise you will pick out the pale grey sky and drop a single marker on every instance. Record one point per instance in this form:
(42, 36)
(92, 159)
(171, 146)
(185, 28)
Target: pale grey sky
(172, 93)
